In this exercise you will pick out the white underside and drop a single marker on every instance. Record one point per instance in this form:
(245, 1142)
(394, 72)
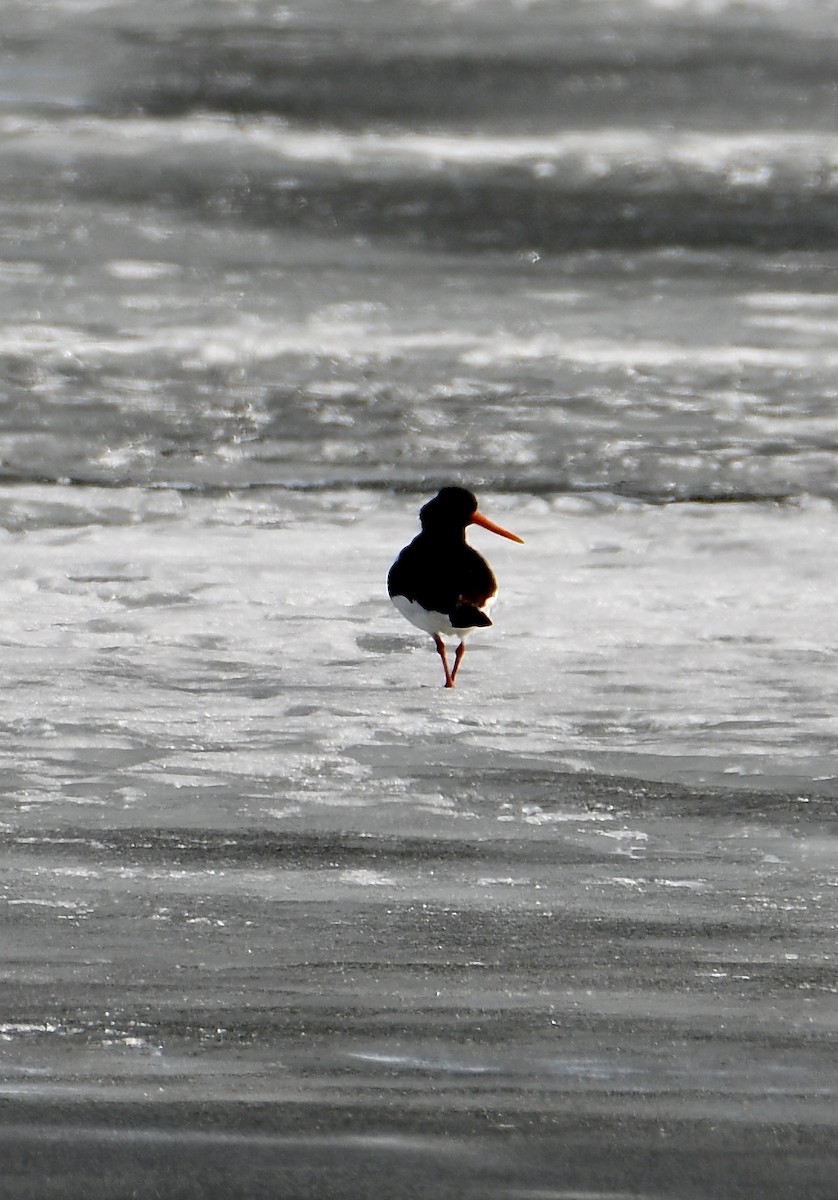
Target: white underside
(433, 622)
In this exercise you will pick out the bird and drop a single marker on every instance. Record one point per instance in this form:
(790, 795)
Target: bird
(439, 582)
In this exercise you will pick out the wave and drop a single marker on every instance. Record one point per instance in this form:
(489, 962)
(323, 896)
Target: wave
(612, 188)
(640, 64)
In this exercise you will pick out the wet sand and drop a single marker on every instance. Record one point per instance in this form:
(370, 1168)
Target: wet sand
(203, 1151)
(643, 1006)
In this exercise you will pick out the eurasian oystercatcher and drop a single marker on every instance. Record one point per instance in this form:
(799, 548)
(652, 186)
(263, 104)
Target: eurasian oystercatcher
(438, 582)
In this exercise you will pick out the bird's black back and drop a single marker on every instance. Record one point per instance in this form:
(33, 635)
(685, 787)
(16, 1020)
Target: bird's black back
(444, 575)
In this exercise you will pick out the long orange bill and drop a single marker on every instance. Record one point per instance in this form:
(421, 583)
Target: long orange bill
(479, 519)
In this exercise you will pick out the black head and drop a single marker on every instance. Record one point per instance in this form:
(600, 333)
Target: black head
(451, 510)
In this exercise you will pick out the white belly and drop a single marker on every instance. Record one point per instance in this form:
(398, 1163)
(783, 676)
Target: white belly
(432, 622)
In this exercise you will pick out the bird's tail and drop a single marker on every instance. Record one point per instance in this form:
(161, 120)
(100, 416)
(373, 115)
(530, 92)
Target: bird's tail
(468, 616)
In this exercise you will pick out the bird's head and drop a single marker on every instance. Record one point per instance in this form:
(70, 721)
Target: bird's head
(452, 509)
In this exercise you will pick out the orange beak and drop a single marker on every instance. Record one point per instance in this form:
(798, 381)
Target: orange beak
(479, 519)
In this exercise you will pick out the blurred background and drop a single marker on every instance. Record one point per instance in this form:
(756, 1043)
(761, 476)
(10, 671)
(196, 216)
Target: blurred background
(539, 247)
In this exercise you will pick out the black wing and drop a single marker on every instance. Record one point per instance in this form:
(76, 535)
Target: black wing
(454, 580)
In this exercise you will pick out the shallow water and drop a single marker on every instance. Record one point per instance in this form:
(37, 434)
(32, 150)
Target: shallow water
(282, 916)
(264, 875)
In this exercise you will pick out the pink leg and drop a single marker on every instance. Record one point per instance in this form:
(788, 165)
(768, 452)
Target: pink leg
(440, 645)
(461, 649)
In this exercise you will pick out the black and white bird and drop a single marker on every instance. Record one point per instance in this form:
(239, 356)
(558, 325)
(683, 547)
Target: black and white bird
(439, 582)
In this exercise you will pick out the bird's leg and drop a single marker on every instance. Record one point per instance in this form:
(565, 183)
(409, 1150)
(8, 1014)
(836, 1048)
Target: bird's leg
(461, 649)
(440, 645)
